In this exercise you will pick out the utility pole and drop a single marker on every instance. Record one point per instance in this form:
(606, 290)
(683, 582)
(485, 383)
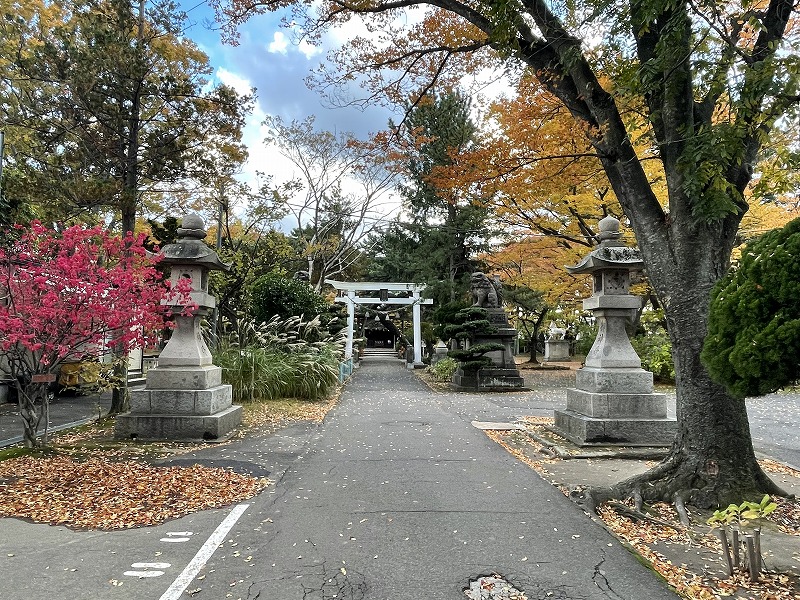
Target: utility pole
(222, 211)
(2, 158)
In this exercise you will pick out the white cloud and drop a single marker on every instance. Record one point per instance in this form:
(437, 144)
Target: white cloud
(283, 44)
(309, 50)
(279, 43)
(276, 62)
(241, 84)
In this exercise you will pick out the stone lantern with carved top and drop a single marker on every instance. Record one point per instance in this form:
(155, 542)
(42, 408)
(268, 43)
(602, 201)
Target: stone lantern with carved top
(190, 258)
(184, 397)
(611, 265)
(613, 401)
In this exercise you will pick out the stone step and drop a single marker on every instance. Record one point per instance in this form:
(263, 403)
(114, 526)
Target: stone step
(591, 431)
(136, 378)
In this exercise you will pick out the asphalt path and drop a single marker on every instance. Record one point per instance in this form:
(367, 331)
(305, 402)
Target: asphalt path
(395, 496)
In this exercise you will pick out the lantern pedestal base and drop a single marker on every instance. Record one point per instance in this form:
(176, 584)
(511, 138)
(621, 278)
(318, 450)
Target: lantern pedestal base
(615, 407)
(180, 403)
(179, 427)
(592, 431)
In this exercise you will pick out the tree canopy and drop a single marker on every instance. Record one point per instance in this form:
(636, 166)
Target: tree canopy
(444, 227)
(105, 102)
(72, 295)
(276, 294)
(336, 197)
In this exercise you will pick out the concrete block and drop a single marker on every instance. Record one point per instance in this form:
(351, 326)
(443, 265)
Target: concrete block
(208, 402)
(588, 431)
(186, 402)
(618, 406)
(626, 381)
(155, 427)
(178, 402)
(184, 378)
(556, 350)
(140, 401)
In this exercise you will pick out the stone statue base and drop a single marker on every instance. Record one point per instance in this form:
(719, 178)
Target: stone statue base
(503, 375)
(489, 379)
(615, 407)
(556, 350)
(180, 403)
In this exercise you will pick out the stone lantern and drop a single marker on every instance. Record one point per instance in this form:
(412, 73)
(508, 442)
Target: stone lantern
(613, 401)
(184, 398)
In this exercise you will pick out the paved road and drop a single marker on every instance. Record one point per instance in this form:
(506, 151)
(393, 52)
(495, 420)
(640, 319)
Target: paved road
(775, 426)
(395, 496)
(65, 411)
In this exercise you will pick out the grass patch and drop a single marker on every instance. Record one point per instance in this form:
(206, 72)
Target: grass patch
(15, 452)
(268, 415)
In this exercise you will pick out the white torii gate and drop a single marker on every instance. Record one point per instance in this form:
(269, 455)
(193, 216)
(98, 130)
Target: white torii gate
(383, 288)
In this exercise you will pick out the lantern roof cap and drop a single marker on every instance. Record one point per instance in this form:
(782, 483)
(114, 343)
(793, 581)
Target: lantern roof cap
(611, 253)
(190, 248)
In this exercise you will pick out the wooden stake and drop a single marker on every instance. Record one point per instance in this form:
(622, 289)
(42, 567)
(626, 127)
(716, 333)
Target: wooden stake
(752, 558)
(757, 539)
(725, 550)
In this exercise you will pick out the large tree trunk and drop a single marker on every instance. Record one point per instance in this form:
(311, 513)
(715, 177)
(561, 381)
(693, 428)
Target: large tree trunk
(33, 399)
(712, 461)
(537, 325)
(120, 393)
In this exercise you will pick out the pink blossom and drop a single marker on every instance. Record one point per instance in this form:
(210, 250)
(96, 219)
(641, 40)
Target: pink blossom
(62, 301)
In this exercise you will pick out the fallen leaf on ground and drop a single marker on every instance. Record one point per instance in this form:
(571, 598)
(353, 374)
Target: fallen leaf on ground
(101, 494)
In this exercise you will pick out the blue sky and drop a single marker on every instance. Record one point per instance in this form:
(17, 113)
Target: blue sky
(268, 60)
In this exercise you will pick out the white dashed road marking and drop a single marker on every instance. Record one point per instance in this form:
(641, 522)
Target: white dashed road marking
(143, 574)
(177, 536)
(150, 569)
(193, 568)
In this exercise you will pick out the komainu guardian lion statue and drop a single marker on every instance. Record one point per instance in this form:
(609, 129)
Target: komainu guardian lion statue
(484, 291)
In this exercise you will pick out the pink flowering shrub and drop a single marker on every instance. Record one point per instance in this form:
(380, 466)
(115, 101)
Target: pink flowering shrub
(72, 295)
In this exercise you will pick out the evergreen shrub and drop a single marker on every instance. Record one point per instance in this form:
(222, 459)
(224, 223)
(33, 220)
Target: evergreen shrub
(753, 338)
(277, 295)
(444, 369)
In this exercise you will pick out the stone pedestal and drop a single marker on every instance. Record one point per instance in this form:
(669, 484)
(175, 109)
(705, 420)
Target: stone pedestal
(184, 398)
(488, 379)
(599, 413)
(503, 375)
(180, 403)
(556, 350)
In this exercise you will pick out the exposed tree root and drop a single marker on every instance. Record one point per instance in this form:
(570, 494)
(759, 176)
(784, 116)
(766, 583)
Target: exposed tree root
(680, 508)
(638, 515)
(638, 501)
(682, 481)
